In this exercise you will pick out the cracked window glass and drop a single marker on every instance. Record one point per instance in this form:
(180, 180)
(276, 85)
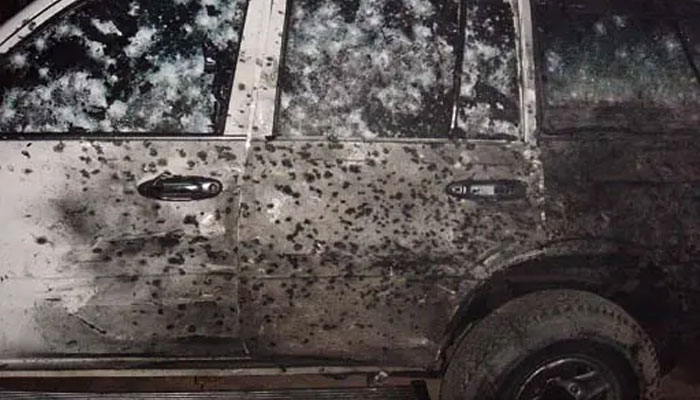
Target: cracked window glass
(368, 69)
(125, 67)
(618, 66)
(489, 101)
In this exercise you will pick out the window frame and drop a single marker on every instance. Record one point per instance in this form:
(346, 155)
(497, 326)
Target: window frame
(39, 14)
(526, 80)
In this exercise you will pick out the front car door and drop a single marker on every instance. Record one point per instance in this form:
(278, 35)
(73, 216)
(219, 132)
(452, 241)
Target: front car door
(398, 176)
(97, 98)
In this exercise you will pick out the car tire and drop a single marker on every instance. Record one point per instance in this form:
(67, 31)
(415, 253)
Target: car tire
(555, 343)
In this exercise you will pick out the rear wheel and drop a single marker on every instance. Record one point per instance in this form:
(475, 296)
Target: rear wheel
(555, 344)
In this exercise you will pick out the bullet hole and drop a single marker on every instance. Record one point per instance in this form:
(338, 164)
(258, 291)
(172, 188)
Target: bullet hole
(241, 86)
(59, 147)
(224, 153)
(286, 189)
(26, 154)
(202, 155)
(176, 260)
(27, 171)
(191, 220)
(41, 240)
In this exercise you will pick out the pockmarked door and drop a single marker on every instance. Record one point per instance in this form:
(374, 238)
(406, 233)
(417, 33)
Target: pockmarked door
(119, 205)
(395, 178)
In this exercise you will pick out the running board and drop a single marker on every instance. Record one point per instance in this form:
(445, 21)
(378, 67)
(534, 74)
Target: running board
(417, 391)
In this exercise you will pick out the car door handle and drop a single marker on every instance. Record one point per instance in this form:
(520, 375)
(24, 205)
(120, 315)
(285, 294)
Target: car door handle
(487, 189)
(168, 187)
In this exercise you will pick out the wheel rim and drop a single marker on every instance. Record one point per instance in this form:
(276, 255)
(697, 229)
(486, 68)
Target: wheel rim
(570, 378)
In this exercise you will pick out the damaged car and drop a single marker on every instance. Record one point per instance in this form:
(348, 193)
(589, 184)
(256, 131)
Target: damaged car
(499, 193)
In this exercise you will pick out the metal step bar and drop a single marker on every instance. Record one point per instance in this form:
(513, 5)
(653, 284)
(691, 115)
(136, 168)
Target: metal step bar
(416, 391)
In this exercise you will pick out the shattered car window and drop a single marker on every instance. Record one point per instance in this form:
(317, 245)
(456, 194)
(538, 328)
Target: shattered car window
(124, 66)
(489, 101)
(368, 68)
(614, 66)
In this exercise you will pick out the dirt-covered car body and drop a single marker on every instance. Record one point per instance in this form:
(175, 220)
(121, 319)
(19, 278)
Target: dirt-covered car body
(322, 182)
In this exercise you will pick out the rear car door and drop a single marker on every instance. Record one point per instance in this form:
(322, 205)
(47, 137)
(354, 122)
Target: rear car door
(120, 196)
(398, 176)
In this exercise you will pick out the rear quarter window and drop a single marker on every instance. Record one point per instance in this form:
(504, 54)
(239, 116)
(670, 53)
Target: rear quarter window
(617, 65)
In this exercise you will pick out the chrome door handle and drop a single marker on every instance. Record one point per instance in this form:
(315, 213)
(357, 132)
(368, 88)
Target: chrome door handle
(180, 188)
(503, 189)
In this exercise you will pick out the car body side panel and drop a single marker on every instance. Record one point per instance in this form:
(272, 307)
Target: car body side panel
(637, 190)
(353, 250)
(90, 267)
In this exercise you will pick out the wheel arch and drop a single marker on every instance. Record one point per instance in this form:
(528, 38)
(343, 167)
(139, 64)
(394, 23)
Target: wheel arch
(625, 275)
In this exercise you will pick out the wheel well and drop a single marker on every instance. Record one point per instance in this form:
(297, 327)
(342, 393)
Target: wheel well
(644, 290)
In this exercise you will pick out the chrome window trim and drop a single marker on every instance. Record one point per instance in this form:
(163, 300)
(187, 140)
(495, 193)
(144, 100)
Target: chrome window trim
(528, 86)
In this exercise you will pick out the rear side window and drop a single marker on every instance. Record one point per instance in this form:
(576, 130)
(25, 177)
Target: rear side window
(489, 101)
(368, 68)
(614, 65)
(125, 67)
